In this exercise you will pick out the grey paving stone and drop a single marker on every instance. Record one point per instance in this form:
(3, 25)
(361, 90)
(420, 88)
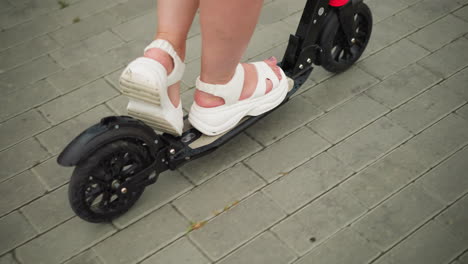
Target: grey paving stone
(447, 60)
(21, 127)
(133, 29)
(264, 249)
(52, 174)
(267, 37)
(447, 29)
(344, 247)
(307, 182)
(383, 9)
(398, 216)
(426, 11)
(130, 9)
(127, 52)
(426, 108)
(448, 180)
(319, 220)
(27, 31)
(87, 27)
(26, 74)
(286, 154)
(81, 10)
(277, 10)
(287, 118)
(113, 78)
(432, 244)
(458, 83)
(227, 155)
(118, 104)
(8, 258)
(169, 186)
(5, 6)
(14, 230)
(236, 226)
(386, 176)
(27, 51)
(63, 242)
(21, 157)
(18, 191)
(462, 13)
(387, 31)
(150, 234)
(192, 71)
(56, 138)
(370, 143)
(464, 258)
(181, 252)
(463, 112)
(87, 257)
(86, 49)
(49, 210)
(339, 89)
(80, 100)
(392, 58)
(403, 85)
(348, 118)
(85, 72)
(455, 218)
(24, 99)
(212, 196)
(193, 49)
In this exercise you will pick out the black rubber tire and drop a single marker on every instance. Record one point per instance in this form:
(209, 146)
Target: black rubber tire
(79, 181)
(332, 33)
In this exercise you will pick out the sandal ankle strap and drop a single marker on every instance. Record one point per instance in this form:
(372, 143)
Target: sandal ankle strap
(230, 91)
(179, 66)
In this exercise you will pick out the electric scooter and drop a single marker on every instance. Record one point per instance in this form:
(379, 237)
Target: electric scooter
(118, 157)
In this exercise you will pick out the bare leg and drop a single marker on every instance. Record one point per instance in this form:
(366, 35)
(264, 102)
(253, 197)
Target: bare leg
(174, 20)
(227, 27)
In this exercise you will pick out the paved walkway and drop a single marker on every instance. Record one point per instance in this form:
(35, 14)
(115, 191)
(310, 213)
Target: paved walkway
(369, 166)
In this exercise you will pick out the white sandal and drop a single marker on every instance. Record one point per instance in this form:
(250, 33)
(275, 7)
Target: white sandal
(145, 82)
(217, 120)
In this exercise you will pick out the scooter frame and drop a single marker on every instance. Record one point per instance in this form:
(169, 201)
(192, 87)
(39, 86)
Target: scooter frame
(170, 152)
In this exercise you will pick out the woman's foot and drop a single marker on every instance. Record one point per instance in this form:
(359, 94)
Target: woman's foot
(250, 82)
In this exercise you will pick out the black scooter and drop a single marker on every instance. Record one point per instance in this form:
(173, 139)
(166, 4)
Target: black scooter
(118, 157)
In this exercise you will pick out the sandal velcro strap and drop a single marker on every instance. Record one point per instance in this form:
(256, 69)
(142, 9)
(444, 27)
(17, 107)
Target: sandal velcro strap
(179, 65)
(230, 91)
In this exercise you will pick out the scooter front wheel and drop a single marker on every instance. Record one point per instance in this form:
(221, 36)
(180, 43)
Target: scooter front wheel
(95, 191)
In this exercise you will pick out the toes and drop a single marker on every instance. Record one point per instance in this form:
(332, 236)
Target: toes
(272, 62)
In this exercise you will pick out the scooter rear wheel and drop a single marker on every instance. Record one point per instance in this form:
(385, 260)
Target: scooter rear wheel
(337, 55)
(94, 192)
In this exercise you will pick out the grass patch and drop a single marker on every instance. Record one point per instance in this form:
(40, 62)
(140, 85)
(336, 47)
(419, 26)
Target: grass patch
(76, 20)
(62, 4)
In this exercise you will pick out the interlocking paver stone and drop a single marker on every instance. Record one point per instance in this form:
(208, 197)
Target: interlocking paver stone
(307, 182)
(230, 186)
(7, 259)
(336, 90)
(447, 60)
(319, 220)
(264, 249)
(455, 218)
(21, 127)
(432, 244)
(348, 118)
(370, 143)
(282, 121)
(150, 234)
(67, 106)
(446, 29)
(52, 174)
(463, 112)
(393, 58)
(426, 109)
(169, 186)
(382, 9)
(14, 230)
(63, 242)
(235, 227)
(20, 157)
(458, 83)
(87, 257)
(82, 10)
(398, 216)
(56, 138)
(462, 13)
(301, 145)
(426, 11)
(267, 37)
(181, 252)
(130, 9)
(19, 190)
(132, 29)
(227, 155)
(403, 85)
(29, 73)
(344, 247)
(49, 210)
